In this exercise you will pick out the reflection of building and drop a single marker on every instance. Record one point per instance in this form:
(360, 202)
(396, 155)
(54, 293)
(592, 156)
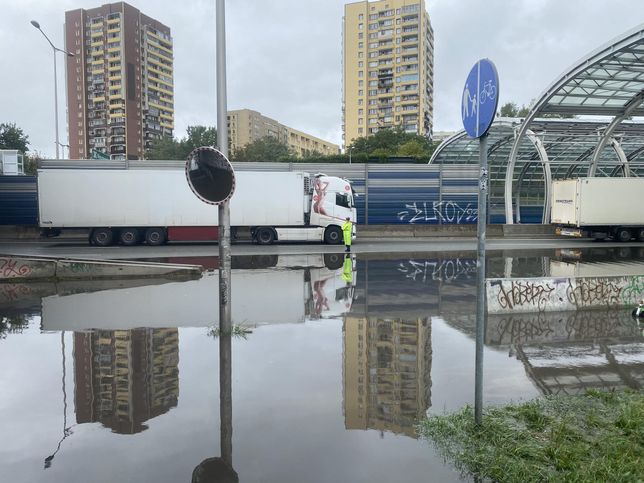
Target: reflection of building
(387, 373)
(125, 377)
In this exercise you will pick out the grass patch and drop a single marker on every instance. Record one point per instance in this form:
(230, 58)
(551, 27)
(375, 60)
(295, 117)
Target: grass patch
(598, 436)
(237, 332)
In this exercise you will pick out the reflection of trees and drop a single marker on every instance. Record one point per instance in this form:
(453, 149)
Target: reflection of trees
(13, 324)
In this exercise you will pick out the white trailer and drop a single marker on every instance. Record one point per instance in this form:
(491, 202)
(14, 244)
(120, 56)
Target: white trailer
(599, 208)
(156, 205)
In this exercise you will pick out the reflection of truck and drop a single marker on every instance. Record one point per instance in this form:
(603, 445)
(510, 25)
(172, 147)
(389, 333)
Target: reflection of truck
(599, 208)
(294, 290)
(131, 206)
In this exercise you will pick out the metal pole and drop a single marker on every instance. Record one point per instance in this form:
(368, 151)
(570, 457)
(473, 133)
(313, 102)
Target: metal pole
(225, 316)
(480, 279)
(56, 101)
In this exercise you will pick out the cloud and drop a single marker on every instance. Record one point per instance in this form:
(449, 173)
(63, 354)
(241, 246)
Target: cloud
(284, 57)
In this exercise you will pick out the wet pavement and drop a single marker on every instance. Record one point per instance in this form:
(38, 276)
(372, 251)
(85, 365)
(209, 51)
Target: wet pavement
(120, 380)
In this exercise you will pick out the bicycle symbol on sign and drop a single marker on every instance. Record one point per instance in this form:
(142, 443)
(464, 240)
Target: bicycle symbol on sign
(488, 92)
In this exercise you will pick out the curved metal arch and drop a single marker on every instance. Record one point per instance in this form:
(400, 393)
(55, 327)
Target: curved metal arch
(621, 155)
(630, 106)
(594, 57)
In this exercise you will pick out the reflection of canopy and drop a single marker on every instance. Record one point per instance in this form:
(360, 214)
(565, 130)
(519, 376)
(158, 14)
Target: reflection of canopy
(609, 82)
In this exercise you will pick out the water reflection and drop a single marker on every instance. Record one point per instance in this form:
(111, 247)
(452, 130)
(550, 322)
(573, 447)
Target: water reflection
(379, 336)
(571, 352)
(123, 378)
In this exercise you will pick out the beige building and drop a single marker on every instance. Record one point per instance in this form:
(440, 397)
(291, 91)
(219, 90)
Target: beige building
(246, 126)
(388, 68)
(387, 373)
(119, 82)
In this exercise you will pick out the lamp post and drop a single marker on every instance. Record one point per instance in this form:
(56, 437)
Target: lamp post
(55, 50)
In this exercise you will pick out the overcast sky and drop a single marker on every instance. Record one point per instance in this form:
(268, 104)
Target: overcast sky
(284, 56)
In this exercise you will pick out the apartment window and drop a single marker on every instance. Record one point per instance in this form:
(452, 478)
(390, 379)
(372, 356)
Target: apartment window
(373, 102)
(360, 130)
(360, 26)
(373, 111)
(360, 92)
(373, 16)
(360, 17)
(373, 73)
(373, 35)
(361, 112)
(360, 102)
(373, 83)
(361, 45)
(373, 92)
(360, 73)
(360, 35)
(359, 120)
(360, 65)
(360, 54)
(361, 83)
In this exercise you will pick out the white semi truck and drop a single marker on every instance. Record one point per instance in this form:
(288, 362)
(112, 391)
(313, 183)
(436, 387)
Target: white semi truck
(599, 208)
(131, 206)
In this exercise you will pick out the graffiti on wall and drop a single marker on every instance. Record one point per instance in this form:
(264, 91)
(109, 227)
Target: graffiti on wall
(13, 268)
(560, 294)
(445, 270)
(440, 212)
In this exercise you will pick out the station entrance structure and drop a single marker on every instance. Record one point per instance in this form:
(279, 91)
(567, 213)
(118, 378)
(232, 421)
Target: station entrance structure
(584, 124)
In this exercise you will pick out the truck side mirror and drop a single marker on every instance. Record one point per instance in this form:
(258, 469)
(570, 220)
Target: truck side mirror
(210, 175)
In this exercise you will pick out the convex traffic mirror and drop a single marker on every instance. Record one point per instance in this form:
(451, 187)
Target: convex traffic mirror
(210, 175)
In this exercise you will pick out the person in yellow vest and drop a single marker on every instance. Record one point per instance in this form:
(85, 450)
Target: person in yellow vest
(347, 270)
(347, 231)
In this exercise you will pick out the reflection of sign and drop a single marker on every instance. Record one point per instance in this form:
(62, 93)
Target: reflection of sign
(480, 98)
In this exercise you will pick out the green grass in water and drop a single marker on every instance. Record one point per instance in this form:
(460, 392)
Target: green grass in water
(237, 331)
(598, 436)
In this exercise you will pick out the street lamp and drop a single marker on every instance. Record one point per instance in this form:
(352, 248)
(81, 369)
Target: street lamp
(69, 54)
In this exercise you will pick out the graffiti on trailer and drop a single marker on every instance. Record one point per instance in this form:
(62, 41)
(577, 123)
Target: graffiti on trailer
(593, 292)
(445, 270)
(319, 194)
(522, 293)
(11, 268)
(441, 212)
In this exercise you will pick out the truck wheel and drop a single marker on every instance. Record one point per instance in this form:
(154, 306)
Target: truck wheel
(623, 235)
(155, 236)
(102, 237)
(265, 236)
(333, 235)
(640, 234)
(129, 236)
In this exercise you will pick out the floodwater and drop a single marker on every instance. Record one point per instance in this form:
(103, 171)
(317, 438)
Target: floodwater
(125, 381)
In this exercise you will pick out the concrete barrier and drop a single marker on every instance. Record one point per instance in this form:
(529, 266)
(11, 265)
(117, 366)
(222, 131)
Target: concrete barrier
(521, 295)
(26, 269)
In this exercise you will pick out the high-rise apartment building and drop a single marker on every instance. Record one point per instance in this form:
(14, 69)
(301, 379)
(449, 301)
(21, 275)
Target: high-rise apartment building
(246, 126)
(119, 82)
(388, 68)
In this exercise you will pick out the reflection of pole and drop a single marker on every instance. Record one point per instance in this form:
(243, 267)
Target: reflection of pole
(66, 432)
(480, 279)
(226, 398)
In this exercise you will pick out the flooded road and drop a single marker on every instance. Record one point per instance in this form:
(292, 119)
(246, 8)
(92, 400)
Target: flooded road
(120, 381)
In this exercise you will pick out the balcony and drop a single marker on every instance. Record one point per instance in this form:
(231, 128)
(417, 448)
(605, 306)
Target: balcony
(119, 149)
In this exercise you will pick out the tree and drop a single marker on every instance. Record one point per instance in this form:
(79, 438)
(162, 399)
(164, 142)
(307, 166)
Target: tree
(392, 142)
(267, 148)
(510, 109)
(13, 137)
(170, 148)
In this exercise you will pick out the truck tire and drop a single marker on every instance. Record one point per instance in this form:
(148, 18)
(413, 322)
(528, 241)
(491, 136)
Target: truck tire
(333, 235)
(129, 236)
(155, 236)
(265, 236)
(623, 235)
(640, 234)
(333, 261)
(101, 237)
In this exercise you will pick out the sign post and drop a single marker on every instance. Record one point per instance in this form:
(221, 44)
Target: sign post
(478, 108)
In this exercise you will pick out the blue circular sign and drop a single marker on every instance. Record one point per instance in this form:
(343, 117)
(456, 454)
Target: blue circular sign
(480, 98)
